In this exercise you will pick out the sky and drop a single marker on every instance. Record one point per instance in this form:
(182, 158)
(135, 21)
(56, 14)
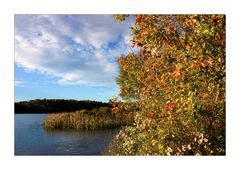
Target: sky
(68, 56)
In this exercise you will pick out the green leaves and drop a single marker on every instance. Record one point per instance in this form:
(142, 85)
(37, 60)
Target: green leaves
(120, 17)
(179, 74)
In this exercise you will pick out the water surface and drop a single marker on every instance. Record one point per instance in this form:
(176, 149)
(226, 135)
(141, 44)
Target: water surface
(32, 139)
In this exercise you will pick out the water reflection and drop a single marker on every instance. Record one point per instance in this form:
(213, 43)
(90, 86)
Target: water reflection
(32, 139)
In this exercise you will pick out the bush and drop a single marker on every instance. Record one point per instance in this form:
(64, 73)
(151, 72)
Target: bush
(177, 83)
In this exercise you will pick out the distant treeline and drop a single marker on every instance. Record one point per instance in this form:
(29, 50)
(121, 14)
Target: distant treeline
(56, 105)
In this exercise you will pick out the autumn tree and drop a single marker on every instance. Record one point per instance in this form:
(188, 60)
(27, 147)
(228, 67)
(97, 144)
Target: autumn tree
(177, 83)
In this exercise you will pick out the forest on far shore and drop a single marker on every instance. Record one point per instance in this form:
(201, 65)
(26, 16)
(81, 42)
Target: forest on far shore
(56, 105)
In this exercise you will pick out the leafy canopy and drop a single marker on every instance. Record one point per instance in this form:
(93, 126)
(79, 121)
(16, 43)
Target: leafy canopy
(176, 85)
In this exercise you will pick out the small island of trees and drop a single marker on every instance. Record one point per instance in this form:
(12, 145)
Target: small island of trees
(56, 105)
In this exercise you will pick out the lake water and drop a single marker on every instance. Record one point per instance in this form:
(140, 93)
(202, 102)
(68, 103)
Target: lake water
(32, 139)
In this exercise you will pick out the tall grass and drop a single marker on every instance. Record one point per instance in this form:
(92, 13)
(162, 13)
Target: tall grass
(98, 118)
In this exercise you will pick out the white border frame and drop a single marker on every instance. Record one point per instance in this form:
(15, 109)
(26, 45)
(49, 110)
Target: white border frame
(11, 7)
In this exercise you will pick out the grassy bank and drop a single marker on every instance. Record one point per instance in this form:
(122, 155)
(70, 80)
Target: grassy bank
(98, 118)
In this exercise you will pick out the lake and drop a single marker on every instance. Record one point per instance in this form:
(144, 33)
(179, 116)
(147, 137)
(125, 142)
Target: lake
(32, 139)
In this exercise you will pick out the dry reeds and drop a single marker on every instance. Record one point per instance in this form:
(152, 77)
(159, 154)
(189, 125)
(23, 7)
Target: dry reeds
(100, 118)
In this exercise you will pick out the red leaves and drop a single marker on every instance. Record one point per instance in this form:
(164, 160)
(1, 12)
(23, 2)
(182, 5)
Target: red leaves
(203, 95)
(176, 73)
(171, 107)
(129, 115)
(133, 42)
(142, 33)
(138, 18)
(222, 39)
(151, 115)
(210, 61)
(113, 111)
(202, 64)
(215, 21)
(177, 62)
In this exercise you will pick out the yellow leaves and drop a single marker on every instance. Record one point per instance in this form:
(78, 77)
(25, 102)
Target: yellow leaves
(204, 45)
(171, 67)
(197, 31)
(187, 47)
(154, 142)
(219, 59)
(206, 31)
(168, 30)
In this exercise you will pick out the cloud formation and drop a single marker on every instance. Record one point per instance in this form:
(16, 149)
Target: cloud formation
(78, 49)
(19, 83)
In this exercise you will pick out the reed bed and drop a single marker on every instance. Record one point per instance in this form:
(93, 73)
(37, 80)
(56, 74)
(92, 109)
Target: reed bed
(98, 118)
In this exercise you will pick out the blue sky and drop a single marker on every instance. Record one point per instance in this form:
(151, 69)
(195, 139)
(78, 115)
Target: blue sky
(69, 56)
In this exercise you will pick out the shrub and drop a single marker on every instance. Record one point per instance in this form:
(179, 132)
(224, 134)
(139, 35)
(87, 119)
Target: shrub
(177, 83)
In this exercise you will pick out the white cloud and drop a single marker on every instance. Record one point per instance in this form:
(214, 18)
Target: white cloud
(19, 83)
(78, 49)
